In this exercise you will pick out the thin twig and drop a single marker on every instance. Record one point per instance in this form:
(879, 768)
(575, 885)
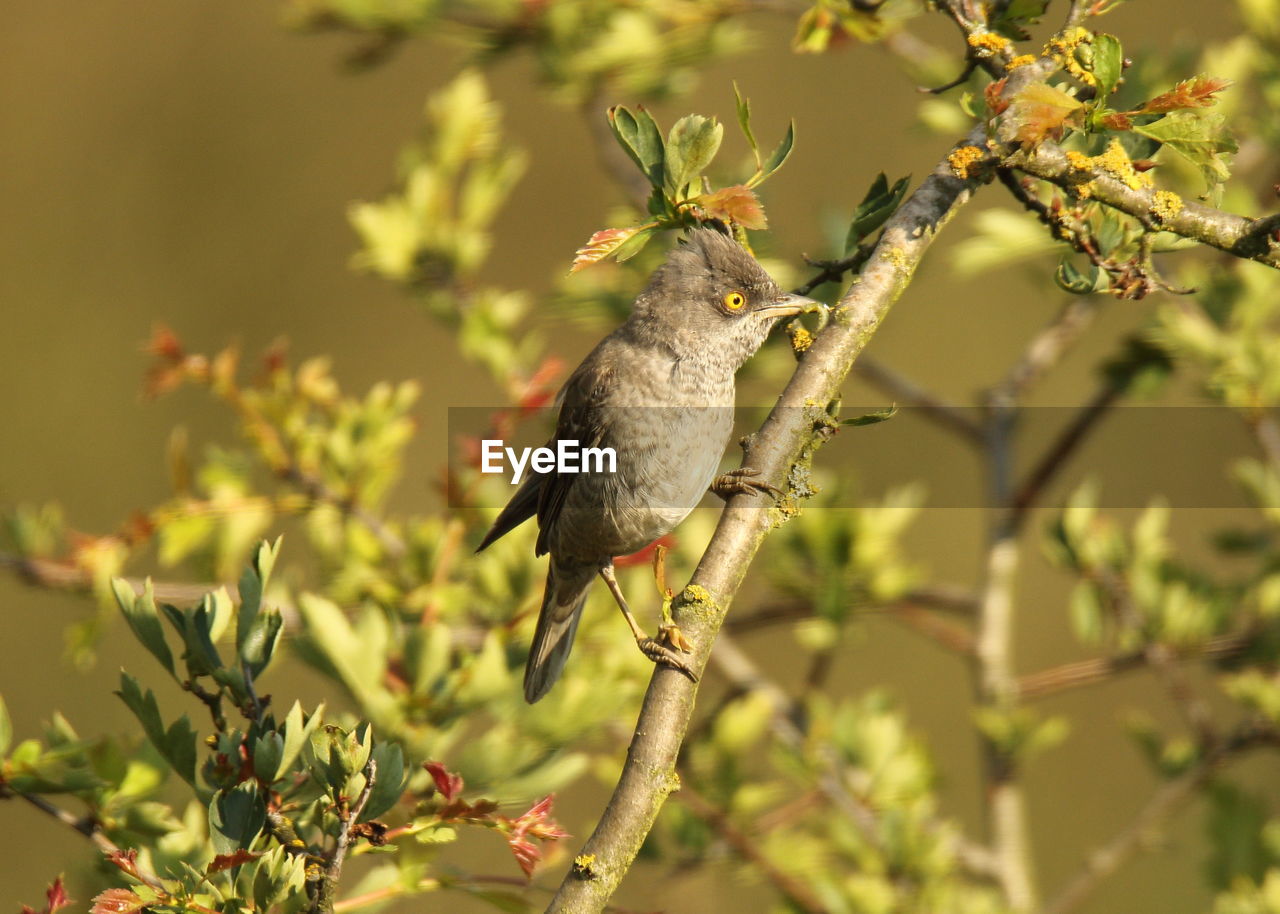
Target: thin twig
(326, 898)
(1098, 670)
(1057, 454)
(792, 889)
(88, 826)
(905, 391)
(1162, 804)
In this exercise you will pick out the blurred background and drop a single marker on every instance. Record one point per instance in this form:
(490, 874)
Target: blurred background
(192, 164)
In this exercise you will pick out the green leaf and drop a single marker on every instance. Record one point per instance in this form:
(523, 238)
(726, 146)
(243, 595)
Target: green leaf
(253, 583)
(140, 612)
(1198, 136)
(296, 734)
(268, 750)
(635, 244)
(881, 202)
(1070, 279)
(1108, 63)
(436, 834)
(692, 143)
(780, 154)
(260, 641)
(640, 138)
(603, 243)
(873, 418)
(1086, 614)
(1234, 824)
(389, 784)
(744, 122)
(236, 817)
(6, 728)
(177, 744)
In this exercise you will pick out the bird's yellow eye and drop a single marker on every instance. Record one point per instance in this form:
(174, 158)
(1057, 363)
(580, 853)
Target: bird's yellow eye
(734, 300)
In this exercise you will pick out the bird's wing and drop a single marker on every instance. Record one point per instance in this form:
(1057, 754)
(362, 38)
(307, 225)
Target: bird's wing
(523, 505)
(579, 420)
(543, 494)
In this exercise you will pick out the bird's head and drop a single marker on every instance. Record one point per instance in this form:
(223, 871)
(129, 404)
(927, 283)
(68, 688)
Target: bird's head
(711, 296)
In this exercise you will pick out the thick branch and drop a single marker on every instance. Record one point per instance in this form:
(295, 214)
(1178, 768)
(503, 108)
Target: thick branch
(1251, 239)
(649, 774)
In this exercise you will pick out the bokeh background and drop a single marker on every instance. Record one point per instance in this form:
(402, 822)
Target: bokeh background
(192, 164)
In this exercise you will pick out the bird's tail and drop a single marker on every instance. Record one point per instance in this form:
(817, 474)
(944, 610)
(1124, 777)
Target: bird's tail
(562, 602)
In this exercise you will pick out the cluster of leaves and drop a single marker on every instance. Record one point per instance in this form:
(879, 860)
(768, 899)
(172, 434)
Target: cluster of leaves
(850, 813)
(1175, 133)
(680, 195)
(582, 48)
(278, 802)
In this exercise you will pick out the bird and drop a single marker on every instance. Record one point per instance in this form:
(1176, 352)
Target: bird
(659, 390)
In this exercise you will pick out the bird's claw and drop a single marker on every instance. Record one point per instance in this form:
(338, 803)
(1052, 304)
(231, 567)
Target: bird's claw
(660, 653)
(742, 482)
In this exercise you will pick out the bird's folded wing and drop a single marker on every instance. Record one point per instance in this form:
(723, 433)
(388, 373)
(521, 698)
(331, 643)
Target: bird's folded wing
(581, 420)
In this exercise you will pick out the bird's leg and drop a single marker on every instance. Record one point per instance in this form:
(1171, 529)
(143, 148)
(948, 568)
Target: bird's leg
(742, 482)
(650, 647)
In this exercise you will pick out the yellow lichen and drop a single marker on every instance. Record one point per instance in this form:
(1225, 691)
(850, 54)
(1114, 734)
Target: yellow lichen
(1077, 160)
(1116, 162)
(801, 338)
(1020, 61)
(963, 159)
(1062, 48)
(1165, 205)
(583, 866)
(988, 43)
(696, 593)
(1112, 161)
(895, 257)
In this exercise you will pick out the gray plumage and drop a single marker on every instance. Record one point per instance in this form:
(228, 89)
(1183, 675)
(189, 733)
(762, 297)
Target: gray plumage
(659, 390)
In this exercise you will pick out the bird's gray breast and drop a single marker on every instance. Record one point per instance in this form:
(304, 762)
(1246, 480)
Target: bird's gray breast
(668, 422)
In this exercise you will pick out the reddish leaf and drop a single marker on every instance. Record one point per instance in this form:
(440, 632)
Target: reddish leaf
(227, 861)
(1197, 92)
(55, 898)
(117, 901)
(527, 854)
(1041, 112)
(448, 784)
(737, 203)
(127, 861)
(536, 823)
(1116, 121)
(994, 96)
(601, 245)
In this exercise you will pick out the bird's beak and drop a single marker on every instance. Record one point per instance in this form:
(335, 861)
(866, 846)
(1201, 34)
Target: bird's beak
(789, 305)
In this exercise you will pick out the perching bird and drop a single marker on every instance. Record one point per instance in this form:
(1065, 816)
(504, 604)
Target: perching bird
(659, 390)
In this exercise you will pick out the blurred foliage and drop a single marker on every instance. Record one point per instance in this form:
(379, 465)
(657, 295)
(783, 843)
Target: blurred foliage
(831, 799)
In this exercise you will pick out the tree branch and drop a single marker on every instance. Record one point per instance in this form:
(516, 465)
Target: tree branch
(904, 390)
(88, 826)
(787, 439)
(1251, 239)
(347, 817)
(1162, 804)
(1097, 670)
